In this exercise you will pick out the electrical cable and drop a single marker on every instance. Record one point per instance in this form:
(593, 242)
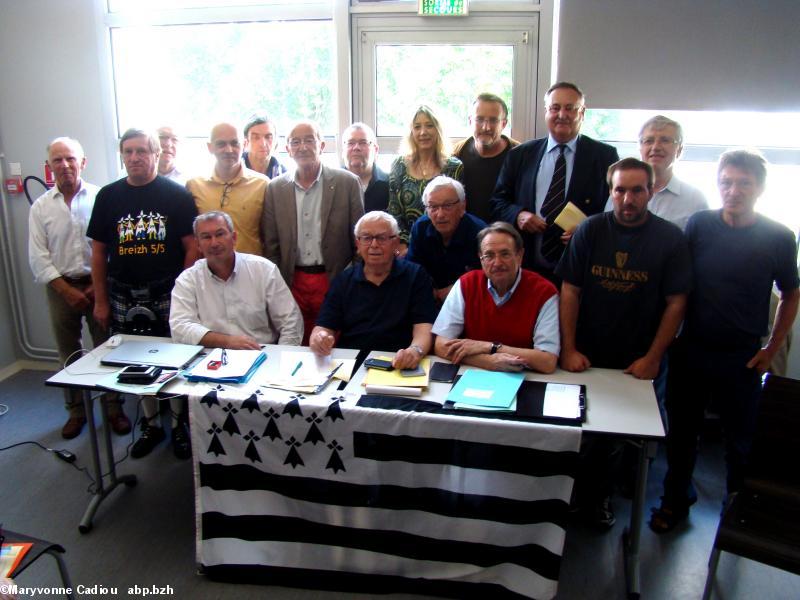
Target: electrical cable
(25, 186)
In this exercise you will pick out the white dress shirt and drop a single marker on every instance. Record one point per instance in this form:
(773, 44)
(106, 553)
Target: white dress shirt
(254, 301)
(57, 242)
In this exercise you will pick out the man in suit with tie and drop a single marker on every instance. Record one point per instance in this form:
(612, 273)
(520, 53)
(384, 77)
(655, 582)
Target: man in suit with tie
(541, 176)
(308, 221)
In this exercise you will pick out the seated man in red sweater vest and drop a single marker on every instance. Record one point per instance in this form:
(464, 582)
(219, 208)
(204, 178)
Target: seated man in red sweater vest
(503, 318)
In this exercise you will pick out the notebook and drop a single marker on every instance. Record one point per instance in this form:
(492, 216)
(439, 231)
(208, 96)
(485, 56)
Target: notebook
(157, 354)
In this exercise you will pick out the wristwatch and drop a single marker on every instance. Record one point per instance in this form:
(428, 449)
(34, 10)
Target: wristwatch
(495, 347)
(417, 349)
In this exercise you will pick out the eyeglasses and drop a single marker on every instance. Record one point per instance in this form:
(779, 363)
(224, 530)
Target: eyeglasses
(487, 120)
(666, 141)
(306, 141)
(569, 108)
(503, 256)
(354, 143)
(381, 239)
(446, 207)
(225, 189)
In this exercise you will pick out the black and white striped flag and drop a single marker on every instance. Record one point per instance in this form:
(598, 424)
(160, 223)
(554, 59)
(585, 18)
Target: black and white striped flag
(327, 490)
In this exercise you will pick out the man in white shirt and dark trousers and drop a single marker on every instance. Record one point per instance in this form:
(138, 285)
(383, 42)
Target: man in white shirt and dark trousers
(60, 257)
(231, 299)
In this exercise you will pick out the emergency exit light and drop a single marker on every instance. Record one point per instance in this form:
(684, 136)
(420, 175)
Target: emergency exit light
(443, 8)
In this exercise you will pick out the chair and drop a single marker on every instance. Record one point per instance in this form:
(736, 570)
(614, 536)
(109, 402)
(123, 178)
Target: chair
(762, 521)
(40, 547)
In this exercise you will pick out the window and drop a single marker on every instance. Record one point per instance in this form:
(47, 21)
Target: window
(191, 76)
(403, 61)
(706, 135)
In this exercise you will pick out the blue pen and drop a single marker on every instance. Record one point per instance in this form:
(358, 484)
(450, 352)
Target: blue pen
(297, 368)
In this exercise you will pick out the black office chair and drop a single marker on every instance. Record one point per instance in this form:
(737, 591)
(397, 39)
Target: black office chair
(762, 521)
(39, 548)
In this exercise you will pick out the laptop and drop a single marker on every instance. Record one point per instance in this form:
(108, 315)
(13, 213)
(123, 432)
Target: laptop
(157, 354)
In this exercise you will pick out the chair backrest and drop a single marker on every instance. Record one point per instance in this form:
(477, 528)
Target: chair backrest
(775, 456)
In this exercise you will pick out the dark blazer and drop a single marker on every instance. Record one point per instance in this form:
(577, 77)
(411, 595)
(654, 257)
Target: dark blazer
(516, 185)
(342, 205)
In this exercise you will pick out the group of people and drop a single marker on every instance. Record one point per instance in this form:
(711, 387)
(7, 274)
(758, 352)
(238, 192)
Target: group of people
(466, 254)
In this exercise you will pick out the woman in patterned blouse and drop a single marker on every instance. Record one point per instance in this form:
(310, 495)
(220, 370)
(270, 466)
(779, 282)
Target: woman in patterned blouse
(424, 154)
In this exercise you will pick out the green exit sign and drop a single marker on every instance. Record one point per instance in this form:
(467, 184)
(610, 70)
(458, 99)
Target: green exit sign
(443, 8)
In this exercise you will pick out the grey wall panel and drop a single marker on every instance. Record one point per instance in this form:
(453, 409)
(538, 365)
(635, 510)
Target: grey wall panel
(682, 54)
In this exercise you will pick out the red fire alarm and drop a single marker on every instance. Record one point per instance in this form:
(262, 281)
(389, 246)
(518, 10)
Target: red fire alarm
(14, 185)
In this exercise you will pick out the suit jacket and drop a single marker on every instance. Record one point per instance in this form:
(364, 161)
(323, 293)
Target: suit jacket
(516, 185)
(342, 205)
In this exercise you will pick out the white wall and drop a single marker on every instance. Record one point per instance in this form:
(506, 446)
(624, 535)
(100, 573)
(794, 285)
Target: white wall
(51, 86)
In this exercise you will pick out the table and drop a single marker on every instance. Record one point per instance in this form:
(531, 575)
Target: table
(318, 488)
(618, 405)
(84, 374)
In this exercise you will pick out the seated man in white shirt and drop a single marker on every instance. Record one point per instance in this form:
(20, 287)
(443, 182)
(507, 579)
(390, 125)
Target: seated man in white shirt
(226, 300)
(503, 318)
(230, 299)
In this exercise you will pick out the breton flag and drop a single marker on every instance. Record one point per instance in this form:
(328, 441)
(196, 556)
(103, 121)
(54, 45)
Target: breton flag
(320, 492)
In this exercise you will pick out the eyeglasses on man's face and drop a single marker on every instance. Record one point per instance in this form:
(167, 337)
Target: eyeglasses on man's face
(309, 141)
(445, 206)
(382, 239)
(503, 256)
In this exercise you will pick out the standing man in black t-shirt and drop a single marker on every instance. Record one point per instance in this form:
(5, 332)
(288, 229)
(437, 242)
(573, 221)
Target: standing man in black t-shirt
(483, 152)
(141, 232)
(626, 275)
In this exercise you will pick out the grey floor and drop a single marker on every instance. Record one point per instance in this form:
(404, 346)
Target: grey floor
(145, 535)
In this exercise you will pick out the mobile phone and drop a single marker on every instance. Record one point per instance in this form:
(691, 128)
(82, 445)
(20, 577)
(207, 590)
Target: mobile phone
(445, 372)
(141, 374)
(417, 371)
(377, 363)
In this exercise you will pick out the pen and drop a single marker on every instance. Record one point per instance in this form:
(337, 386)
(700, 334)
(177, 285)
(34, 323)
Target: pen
(297, 368)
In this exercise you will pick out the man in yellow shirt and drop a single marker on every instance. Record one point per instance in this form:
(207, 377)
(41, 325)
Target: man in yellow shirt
(232, 188)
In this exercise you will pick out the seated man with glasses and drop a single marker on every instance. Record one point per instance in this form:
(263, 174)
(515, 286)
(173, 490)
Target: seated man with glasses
(502, 318)
(384, 303)
(232, 188)
(445, 240)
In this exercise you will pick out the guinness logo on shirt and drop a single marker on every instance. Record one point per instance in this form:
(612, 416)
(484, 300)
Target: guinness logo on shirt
(621, 258)
(619, 279)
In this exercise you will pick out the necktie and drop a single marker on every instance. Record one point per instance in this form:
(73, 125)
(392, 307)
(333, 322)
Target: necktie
(551, 207)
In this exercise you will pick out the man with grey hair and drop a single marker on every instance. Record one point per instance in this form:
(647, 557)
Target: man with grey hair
(141, 227)
(260, 137)
(141, 231)
(484, 151)
(445, 239)
(229, 299)
(359, 149)
(308, 221)
(501, 318)
(60, 257)
(169, 140)
(379, 303)
(540, 177)
(661, 145)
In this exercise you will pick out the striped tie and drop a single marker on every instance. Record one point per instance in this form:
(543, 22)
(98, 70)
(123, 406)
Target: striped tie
(551, 207)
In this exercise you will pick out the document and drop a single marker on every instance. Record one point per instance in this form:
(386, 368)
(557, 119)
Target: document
(486, 389)
(227, 366)
(562, 400)
(393, 378)
(570, 217)
(309, 373)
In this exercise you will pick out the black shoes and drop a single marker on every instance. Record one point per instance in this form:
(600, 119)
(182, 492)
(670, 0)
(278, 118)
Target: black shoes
(150, 438)
(181, 446)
